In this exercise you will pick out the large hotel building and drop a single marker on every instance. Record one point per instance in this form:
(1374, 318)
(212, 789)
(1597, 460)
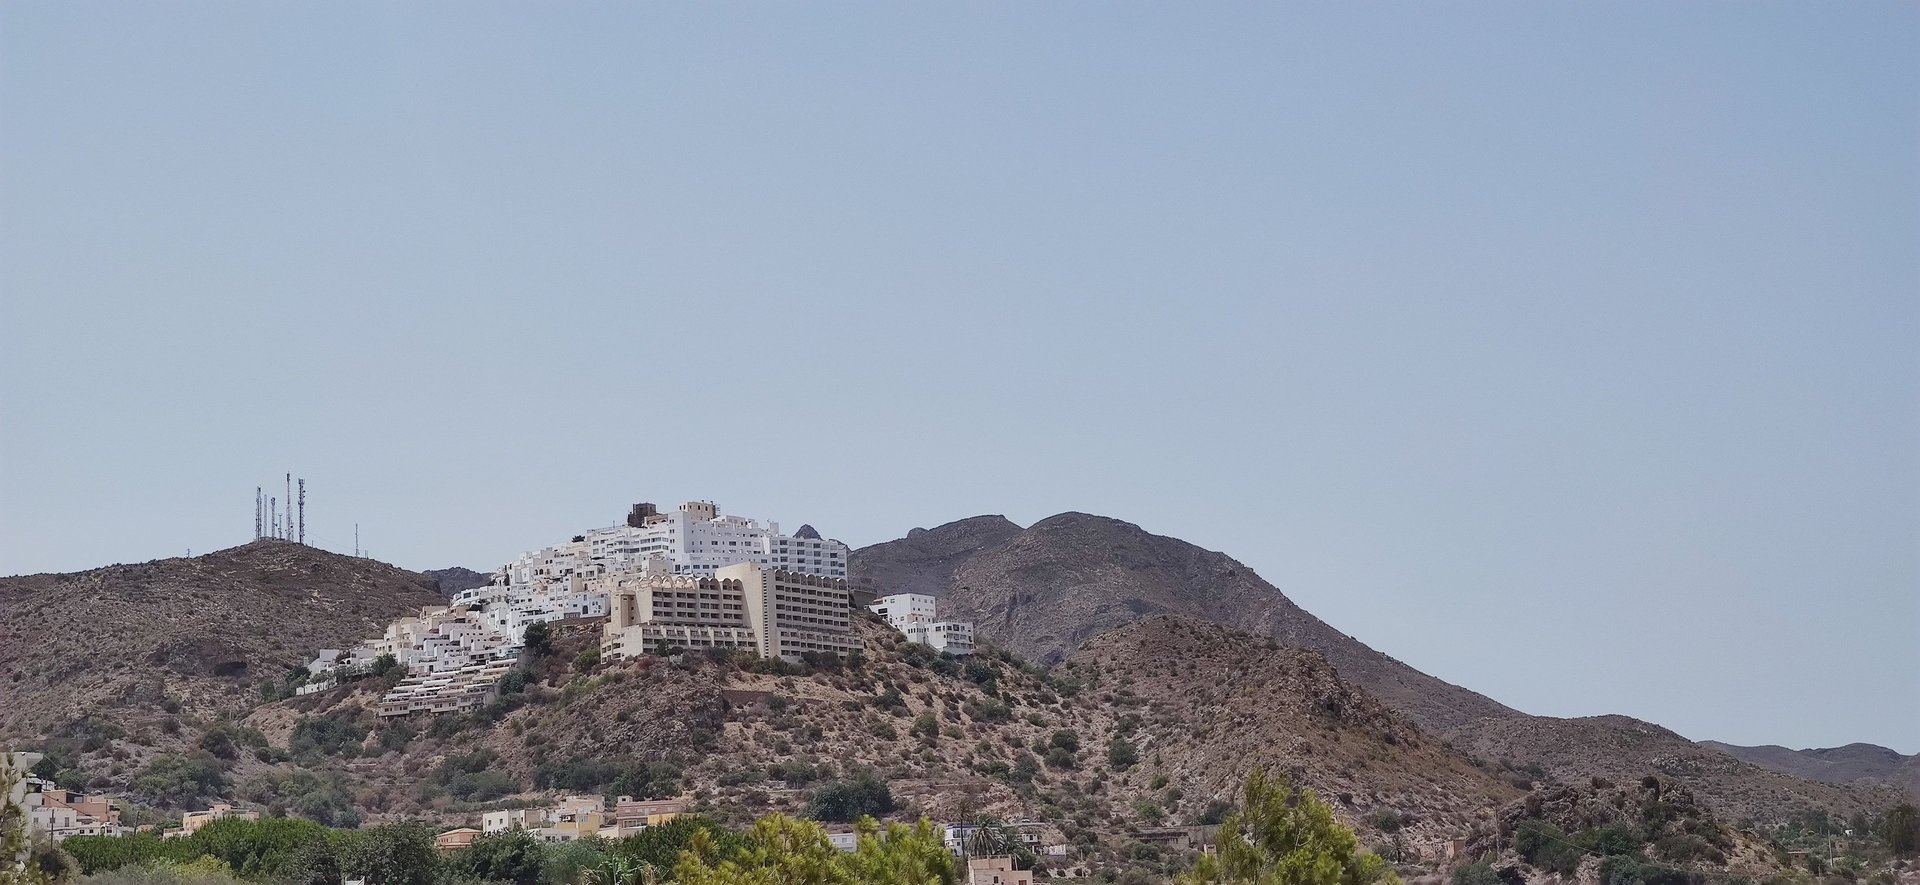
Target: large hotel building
(775, 613)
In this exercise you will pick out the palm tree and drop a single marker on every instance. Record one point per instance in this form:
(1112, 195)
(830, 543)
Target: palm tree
(620, 871)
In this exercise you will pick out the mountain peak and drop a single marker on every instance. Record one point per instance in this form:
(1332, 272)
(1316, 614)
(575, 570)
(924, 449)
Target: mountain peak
(1044, 590)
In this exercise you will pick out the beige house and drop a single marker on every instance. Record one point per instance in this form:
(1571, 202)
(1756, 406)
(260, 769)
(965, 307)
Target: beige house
(996, 870)
(570, 819)
(192, 821)
(454, 840)
(638, 814)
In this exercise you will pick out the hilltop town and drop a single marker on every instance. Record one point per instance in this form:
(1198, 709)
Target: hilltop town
(687, 666)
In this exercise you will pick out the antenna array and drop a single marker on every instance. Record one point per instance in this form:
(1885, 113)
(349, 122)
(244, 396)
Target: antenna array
(281, 518)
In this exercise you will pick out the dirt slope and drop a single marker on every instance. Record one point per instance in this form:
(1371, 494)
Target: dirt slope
(195, 634)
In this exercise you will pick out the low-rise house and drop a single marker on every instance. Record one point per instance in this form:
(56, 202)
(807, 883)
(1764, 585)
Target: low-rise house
(570, 819)
(616, 831)
(456, 839)
(59, 814)
(844, 841)
(996, 870)
(913, 614)
(572, 827)
(642, 813)
(192, 821)
(513, 819)
(1193, 838)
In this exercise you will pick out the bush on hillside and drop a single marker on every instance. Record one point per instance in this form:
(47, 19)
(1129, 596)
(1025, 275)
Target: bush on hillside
(181, 780)
(1631, 870)
(1476, 874)
(849, 800)
(1545, 846)
(331, 737)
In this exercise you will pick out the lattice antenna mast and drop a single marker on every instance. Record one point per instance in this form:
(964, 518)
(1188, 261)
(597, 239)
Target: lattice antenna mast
(286, 520)
(259, 513)
(303, 512)
(273, 504)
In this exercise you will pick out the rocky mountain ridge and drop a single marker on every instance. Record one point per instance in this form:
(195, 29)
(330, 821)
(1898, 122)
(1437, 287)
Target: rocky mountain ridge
(1852, 764)
(1046, 590)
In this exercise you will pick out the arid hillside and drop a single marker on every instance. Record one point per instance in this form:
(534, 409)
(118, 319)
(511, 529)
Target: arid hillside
(1620, 748)
(1044, 590)
(1047, 590)
(1107, 749)
(130, 642)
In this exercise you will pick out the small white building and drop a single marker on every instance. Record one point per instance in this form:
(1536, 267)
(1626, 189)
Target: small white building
(513, 819)
(914, 615)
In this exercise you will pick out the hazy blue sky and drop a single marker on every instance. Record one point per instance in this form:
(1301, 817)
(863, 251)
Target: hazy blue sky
(1567, 352)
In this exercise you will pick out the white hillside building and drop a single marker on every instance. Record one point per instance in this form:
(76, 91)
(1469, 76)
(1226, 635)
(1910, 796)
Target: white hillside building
(695, 539)
(914, 615)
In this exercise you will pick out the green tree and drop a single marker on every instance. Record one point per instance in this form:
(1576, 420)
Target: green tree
(387, 667)
(780, 850)
(256, 849)
(1281, 835)
(538, 640)
(992, 836)
(660, 846)
(396, 854)
(619, 871)
(899, 853)
(513, 856)
(181, 780)
(1901, 829)
(1121, 754)
(315, 863)
(850, 800)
